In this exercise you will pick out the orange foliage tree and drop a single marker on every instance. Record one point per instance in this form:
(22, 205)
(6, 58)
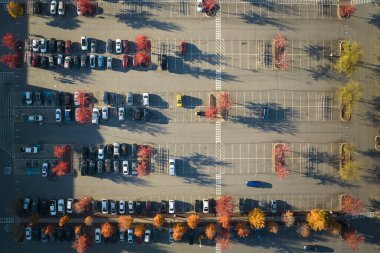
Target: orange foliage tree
(83, 205)
(210, 113)
(63, 220)
(78, 230)
(317, 219)
(139, 230)
(346, 10)
(81, 244)
(143, 43)
(158, 220)
(9, 60)
(49, 229)
(84, 98)
(288, 219)
(62, 168)
(8, 41)
(193, 221)
(351, 205)
(256, 218)
(88, 221)
(303, 229)
(210, 231)
(107, 230)
(209, 5)
(60, 150)
(242, 229)
(225, 221)
(125, 222)
(353, 239)
(334, 228)
(273, 227)
(179, 230)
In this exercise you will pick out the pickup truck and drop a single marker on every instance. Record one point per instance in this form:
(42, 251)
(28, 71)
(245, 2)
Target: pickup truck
(35, 118)
(32, 150)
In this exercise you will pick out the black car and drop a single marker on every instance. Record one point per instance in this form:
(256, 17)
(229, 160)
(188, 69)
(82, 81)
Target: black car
(95, 206)
(43, 62)
(109, 150)
(44, 207)
(138, 207)
(146, 115)
(241, 205)
(83, 59)
(137, 113)
(164, 62)
(109, 46)
(36, 233)
(60, 46)
(91, 170)
(76, 61)
(61, 234)
(37, 8)
(52, 45)
(36, 205)
(310, 247)
(92, 155)
(190, 236)
(163, 206)
(84, 153)
(106, 96)
(198, 206)
(123, 149)
(83, 168)
(134, 150)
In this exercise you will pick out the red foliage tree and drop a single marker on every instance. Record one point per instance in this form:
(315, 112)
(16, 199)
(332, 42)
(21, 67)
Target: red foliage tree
(281, 171)
(83, 115)
(143, 43)
(83, 205)
(145, 152)
(62, 168)
(8, 41)
(59, 151)
(346, 10)
(210, 113)
(209, 5)
(353, 239)
(224, 239)
(86, 7)
(224, 101)
(351, 205)
(142, 168)
(282, 63)
(280, 153)
(280, 41)
(81, 244)
(9, 59)
(224, 206)
(141, 59)
(84, 98)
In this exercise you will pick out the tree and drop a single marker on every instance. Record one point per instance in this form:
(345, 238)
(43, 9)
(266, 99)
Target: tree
(288, 218)
(9, 41)
(351, 54)
(83, 205)
(15, 9)
(62, 168)
(86, 7)
(209, 5)
(224, 239)
(142, 168)
(351, 205)
(158, 220)
(63, 220)
(81, 244)
(317, 219)
(282, 62)
(140, 230)
(49, 229)
(242, 229)
(84, 98)
(280, 41)
(59, 151)
(33, 219)
(210, 113)
(125, 222)
(179, 230)
(303, 229)
(348, 95)
(88, 221)
(281, 171)
(224, 101)
(83, 115)
(256, 218)
(143, 43)
(9, 60)
(281, 151)
(225, 221)
(141, 59)
(78, 230)
(349, 171)
(334, 228)
(107, 230)
(145, 152)
(210, 231)
(273, 227)
(224, 206)
(346, 10)
(353, 239)
(193, 221)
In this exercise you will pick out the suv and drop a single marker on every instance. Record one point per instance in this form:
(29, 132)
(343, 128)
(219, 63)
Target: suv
(171, 167)
(205, 205)
(116, 149)
(95, 115)
(104, 206)
(109, 46)
(171, 206)
(61, 207)
(145, 100)
(93, 46)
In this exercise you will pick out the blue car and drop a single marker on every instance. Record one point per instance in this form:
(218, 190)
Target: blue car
(253, 184)
(101, 61)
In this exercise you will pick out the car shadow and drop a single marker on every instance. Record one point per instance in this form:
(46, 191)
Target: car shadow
(190, 102)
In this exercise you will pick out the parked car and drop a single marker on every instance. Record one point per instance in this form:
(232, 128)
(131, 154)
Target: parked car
(109, 62)
(67, 64)
(83, 59)
(51, 61)
(265, 113)
(125, 168)
(92, 61)
(76, 98)
(171, 167)
(53, 207)
(53, 7)
(124, 61)
(145, 100)
(84, 43)
(137, 113)
(121, 113)
(200, 5)
(171, 239)
(79, 11)
(28, 98)
(121, 207)
(60, 60)
(105, 113)
(104, 206)
(133, 168)
(44, 63)
(129, 99)
(95, 115)
(35, 45)
(45, 168)
(116, 150)
(37, 8)
(130, 235)
(101, 62)
(61, 207)
(164, 62)
(98, 235)
(130, 207)
(113, 207)
(35, 118)
(147, 235)
(116, 166)
(198, 206)
(134, 150)
(125, 46)
(69, 205)
(205, 205)
(171, 206)
(93, 46)
(118, 46)
(76, 61)
(107, 163)
(273, 206)
(101, 152)
(52, 45)
(60, 46)
(43, 46)
(109, 46)
(28, 233)
(61, 8)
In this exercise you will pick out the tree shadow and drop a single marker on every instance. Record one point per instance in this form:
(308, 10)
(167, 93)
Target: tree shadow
(123, 179)
(372, 114)
(143, 127)
(67, 22)
(255, 19)
(369, 227)
(200, 56)
(70, 76)
(315, 51)
(372, 175)
(329, 179)
(375, 20)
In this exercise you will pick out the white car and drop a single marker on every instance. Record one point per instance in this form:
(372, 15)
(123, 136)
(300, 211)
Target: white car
(118, 46)
(43, 46)
(116, 149)
(205, 206)
(79, 12)
(58, 115)
(98, 236)
(145, 99)
(200, 5)
(60, 60)
(35, 118)
(273, 206)
(35, 45)
(28, 233)
(104, 206)
(171, 167)
(95, 115)
(67, 63)
(61, 207)
(84, 43)
(105, 113)
(122, 207)
(109, 62)
(28, 98)
(52, 207)
(69, 205)
(147, 235)
(171, 206)
(61, 8)
(76, 98)
(101, 152)
(44, 171)
(130, 235)
(130, 207)
(133, 168)
(53, 7)
(125, 168)
(121, 113)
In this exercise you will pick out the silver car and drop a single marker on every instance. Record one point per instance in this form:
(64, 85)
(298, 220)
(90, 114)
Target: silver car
(109, 62)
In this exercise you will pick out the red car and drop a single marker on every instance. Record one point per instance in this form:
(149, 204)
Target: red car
(125, 61)
(35, 60)
(68, 46)
(125, 46)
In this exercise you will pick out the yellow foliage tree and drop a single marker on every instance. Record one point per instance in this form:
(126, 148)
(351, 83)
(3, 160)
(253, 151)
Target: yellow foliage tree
(350, 56)
(193, 221)
(139, 230)
(317, 219)
(158, 220)
(88, 221)
(63, 220)
(15, 9)
(256, 218)
(210, 231)
(348, 95)
(349, 171)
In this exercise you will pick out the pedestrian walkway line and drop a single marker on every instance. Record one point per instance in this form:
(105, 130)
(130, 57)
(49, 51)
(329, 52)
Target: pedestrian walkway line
(6, 113)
